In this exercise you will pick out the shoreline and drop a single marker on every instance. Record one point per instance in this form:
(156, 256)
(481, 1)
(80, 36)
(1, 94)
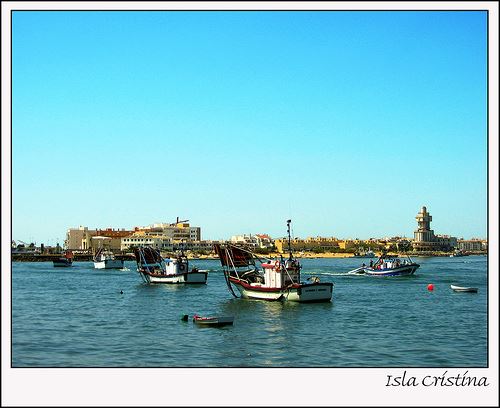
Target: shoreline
(274, 255)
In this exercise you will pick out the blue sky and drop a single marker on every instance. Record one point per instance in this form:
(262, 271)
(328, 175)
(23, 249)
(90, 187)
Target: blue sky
(345, 122)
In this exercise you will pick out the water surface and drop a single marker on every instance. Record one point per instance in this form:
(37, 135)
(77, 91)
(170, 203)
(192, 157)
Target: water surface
(78, 317)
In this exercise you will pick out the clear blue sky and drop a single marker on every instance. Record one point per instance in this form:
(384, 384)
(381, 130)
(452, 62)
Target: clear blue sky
(346, 122)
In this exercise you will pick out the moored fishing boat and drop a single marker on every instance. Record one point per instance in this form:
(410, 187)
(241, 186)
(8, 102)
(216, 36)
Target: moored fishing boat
(276, 279)
(104, 259)
(153, 268)
(64, 261)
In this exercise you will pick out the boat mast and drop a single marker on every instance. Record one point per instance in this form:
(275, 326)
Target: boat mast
(289, 238)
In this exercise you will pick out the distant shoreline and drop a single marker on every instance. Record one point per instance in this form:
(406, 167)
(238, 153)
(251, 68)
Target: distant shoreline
(333, 255)
(52, 257)
(308, 255)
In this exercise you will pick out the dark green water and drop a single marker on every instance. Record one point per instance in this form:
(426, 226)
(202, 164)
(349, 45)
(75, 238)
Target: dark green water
(77, 317)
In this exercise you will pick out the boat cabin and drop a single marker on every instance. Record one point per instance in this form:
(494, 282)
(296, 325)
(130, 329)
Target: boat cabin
(176, 266)
(278, 274)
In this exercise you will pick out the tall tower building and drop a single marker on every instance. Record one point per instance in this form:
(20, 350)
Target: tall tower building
(424, 233)
(424, 238)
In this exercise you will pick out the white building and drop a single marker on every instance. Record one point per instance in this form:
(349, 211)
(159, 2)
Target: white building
(248, 240)
(264, 241)
(254, 241)
(178, 231)
(158, 242)
(471, 245)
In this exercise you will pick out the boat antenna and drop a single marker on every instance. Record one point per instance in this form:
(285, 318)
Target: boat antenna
(289, 238)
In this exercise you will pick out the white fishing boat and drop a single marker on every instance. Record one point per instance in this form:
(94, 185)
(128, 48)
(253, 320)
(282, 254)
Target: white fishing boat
(104, 259)
(153, 268)
(277, 279)
(463, 289)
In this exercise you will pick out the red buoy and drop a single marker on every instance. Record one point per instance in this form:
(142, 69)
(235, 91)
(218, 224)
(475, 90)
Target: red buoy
(430, 287)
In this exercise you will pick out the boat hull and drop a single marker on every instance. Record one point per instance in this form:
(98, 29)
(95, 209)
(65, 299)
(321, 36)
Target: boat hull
(463, 289)
(405, 270)
(109, 264)
(314, 292)
(213, 321)
(199, 277)
(62, 263)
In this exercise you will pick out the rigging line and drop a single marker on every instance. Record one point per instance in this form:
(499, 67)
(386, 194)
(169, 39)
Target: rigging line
(286, 270)
(228, 281)
(141, 255)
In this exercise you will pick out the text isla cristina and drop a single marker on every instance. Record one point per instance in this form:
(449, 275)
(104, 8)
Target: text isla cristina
(446, 379)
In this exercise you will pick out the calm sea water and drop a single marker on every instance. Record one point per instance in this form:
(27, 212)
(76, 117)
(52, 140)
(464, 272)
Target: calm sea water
(77, 317)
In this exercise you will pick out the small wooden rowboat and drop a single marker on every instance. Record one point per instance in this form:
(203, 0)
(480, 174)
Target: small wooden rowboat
(213, 321)
(463, 289)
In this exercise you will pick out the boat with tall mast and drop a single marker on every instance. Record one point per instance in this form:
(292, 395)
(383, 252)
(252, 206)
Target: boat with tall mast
(277, 279)
(153, 268)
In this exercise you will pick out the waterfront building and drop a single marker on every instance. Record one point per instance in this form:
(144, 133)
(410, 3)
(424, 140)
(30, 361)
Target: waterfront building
(164, 243)
(166, 237)
(140, 239)
(297, 244)
(109, 238)
(247, 240)
(262, 241)
(425, 239)
(308, 244)
(84, 239)
(349, 243)
(77, 238)
(179, 231)
(471, 245)
(446, 242)
(205, 246)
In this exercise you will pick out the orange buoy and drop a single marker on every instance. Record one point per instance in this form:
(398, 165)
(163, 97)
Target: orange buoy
(430, 287)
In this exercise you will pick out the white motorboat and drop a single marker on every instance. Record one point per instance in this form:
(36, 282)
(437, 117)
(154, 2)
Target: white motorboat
(463, 289)
(153, 268)
(106, 260)
(387, 266)
(276, 279)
